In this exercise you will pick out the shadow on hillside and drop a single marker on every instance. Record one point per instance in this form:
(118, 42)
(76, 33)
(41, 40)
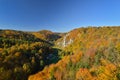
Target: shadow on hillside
(54, 56)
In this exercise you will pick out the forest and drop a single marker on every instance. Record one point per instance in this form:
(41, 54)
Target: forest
(91, 53)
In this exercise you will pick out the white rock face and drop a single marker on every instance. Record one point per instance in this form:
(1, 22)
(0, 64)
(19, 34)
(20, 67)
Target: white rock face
(65, 43)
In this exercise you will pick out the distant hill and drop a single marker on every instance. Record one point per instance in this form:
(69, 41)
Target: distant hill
(43, 35)
(48, 35)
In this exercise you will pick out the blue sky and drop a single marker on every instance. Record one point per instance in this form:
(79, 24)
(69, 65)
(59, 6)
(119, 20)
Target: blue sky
(58, 15)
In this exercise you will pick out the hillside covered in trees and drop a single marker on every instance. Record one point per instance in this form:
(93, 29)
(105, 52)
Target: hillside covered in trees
(91, 53)
(22, 54)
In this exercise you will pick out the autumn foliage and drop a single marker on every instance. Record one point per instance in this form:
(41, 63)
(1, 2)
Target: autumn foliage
(91, 53)
(94, 54)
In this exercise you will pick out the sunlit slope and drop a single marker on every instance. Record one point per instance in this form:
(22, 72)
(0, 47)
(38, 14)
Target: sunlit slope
(93, 54)
(48, 35)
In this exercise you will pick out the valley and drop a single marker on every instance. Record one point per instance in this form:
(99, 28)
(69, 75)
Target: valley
(45, 55)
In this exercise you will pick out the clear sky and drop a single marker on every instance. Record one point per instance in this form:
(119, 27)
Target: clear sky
(58, 15)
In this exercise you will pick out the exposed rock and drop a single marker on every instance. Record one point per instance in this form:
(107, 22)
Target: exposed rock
(65, 41)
